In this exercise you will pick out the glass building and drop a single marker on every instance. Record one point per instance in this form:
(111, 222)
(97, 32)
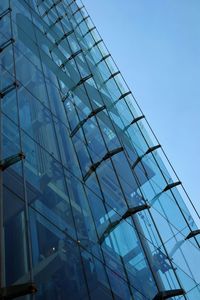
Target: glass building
(90, 206)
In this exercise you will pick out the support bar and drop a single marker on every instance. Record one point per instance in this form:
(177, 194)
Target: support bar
(9, 89)
(84, 19)
(95, 44)
(133, 122)
(120, 98)
(102, 59)
(81, 123)
(171, 185)
(78, 9)
(127, 214)
(167, 188)
(6, 44)
(124, 95)
(169, 294)
(11, 160)
(84, 79)
(150, 150)
(50, 8)
(68, 5)
(112, 75)
(71, 57)
(192, 234)
(5, 12)
(15, 291)
(91, 29)
(106, 156)
(112, 153)
(56, 21)
(65, 35)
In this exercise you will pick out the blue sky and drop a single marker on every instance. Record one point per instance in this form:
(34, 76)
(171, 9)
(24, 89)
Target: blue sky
(156, 45)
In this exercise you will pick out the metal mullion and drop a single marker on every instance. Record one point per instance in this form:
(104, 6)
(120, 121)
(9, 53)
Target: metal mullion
(2, 259)
(2, 244)
(27, 228)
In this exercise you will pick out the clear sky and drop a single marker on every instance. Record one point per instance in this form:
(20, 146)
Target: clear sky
(156, 45)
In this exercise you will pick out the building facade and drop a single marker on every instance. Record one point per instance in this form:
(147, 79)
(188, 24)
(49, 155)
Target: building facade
(90, 206)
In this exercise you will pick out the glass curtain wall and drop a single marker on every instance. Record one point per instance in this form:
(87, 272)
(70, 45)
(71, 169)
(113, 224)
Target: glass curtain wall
(90, 206)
